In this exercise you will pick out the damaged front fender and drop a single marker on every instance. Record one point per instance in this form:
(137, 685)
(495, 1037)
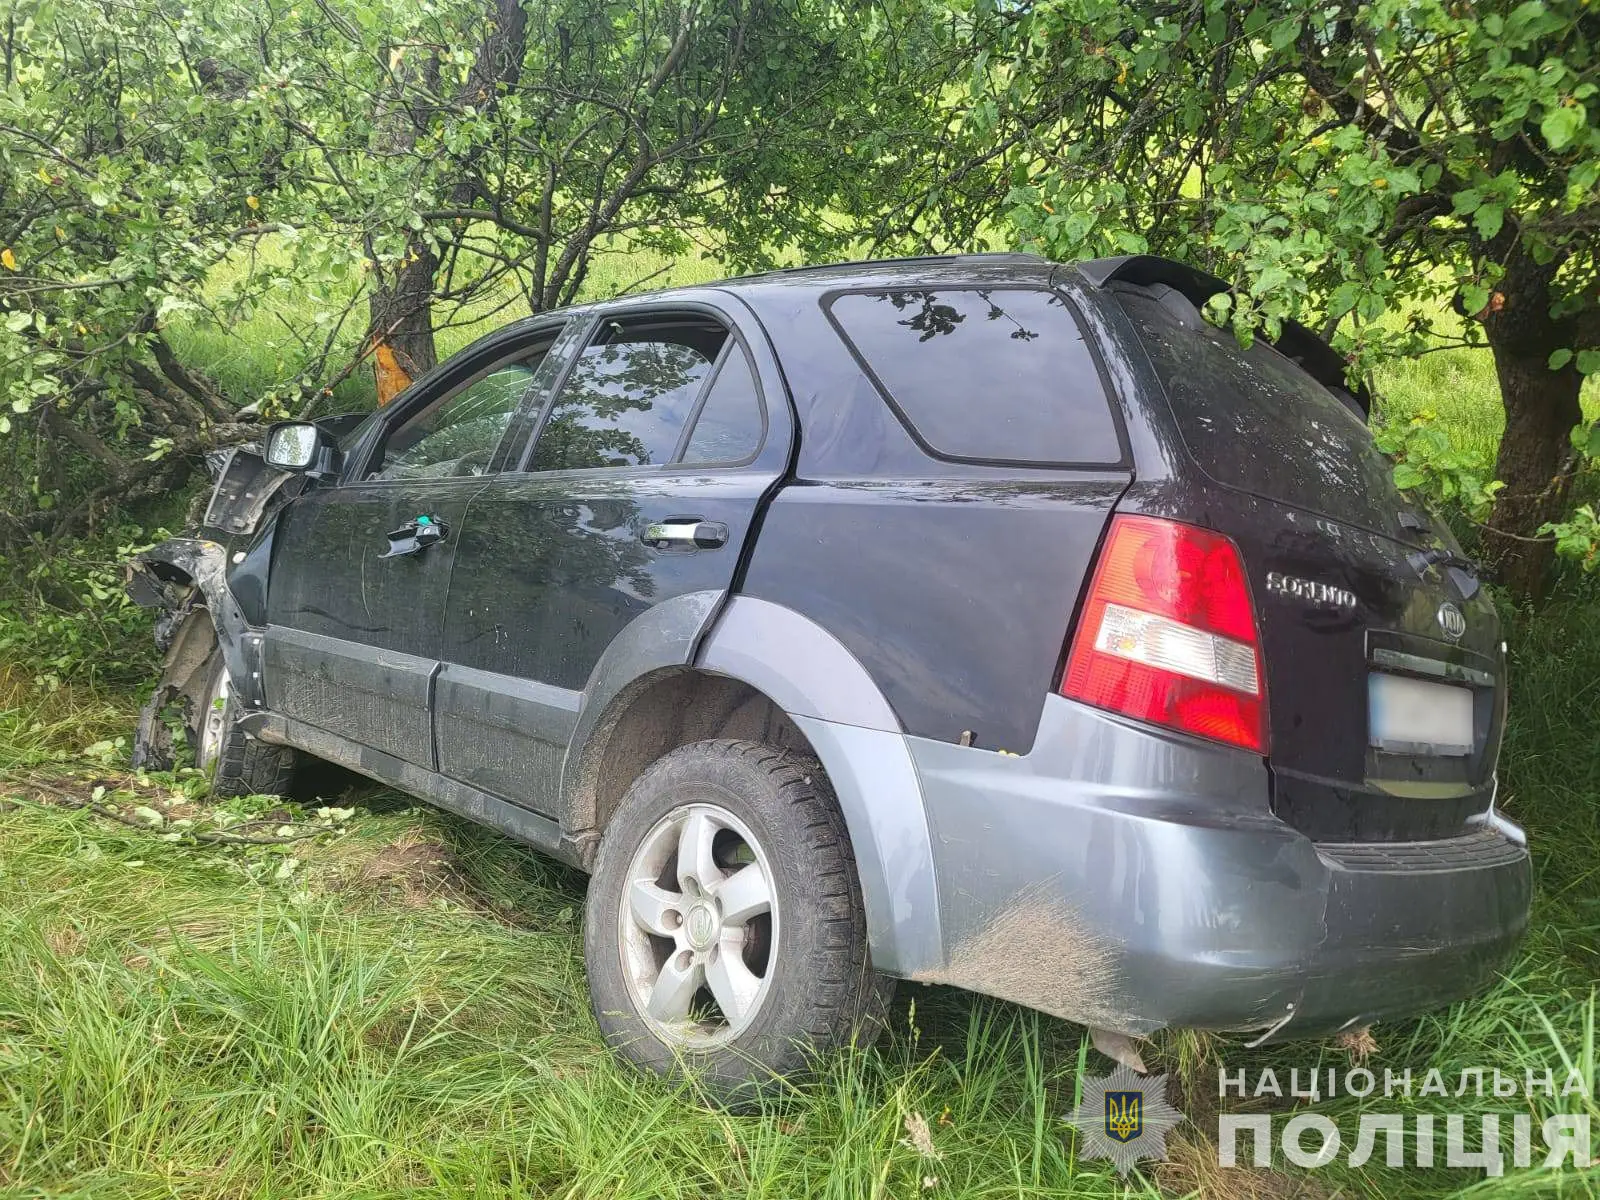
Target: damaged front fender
(186, 576)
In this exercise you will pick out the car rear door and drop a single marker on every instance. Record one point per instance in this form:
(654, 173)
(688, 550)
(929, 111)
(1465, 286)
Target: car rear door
(641, 484)
(361, 569)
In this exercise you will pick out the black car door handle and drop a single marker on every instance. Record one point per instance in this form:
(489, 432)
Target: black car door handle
(416, 536)
(685, 533)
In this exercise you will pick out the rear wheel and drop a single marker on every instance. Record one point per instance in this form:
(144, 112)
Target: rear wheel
(724, 928)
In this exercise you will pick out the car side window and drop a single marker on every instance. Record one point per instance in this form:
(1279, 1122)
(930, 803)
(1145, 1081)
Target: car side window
(732, 419)
(457, 434)
(984, 374)
(629, 395)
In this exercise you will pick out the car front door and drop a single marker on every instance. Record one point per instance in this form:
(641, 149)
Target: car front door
(361, 570)
(646, 472)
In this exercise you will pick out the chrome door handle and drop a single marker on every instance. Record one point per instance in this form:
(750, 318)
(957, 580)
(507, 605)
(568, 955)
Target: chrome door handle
(690, 533)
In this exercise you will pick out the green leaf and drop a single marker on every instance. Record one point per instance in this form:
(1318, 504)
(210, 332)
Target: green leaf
(1284, 34)
(18, 321)
(1407, 477)
(1488, 218)
(1589, 362)
(1344, 298)
(1563, 123)
(1586, 440)
(1559, 358)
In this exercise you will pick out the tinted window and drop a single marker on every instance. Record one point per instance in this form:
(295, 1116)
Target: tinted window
(627, 400)
(457, 434)
(1254, 420)
(731, 421)
(985, 374)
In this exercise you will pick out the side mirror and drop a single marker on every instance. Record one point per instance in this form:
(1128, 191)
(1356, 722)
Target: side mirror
(295, 446)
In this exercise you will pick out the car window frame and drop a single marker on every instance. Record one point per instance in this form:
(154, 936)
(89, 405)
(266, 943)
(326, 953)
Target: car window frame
(1109, 394)
(661, 313)
(449, 379)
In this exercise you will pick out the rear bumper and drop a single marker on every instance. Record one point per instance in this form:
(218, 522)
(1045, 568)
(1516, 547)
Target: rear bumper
(1131, 881)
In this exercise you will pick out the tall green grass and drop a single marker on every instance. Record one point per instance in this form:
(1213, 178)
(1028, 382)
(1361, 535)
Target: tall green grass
(404, 1012)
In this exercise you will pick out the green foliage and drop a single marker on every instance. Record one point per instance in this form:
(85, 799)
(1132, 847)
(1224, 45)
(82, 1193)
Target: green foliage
(1429, 462)
(1320, 155)
(1578, 537)
(135, 161)
(224, 163)
(68, 618)
(1402, 177)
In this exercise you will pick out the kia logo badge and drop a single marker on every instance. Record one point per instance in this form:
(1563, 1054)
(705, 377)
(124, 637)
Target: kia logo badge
(1451, 621)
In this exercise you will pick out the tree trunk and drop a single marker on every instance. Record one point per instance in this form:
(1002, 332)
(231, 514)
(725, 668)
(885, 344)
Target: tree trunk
(1536, 461)
(400, 307)
(401, 321)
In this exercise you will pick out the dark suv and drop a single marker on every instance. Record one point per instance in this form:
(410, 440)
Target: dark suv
(971, 620)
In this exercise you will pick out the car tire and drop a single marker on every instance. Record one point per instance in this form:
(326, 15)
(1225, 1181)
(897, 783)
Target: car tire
(685, 970)
(239, 765)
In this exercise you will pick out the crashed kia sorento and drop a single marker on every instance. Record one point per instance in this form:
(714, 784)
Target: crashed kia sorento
(974, 620)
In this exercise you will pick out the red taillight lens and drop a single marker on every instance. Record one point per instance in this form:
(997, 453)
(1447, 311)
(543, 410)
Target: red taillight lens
(1168, 634)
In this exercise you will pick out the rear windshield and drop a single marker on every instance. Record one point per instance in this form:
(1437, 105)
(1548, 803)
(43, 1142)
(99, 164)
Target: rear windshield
(1254, 420)
(984, 374)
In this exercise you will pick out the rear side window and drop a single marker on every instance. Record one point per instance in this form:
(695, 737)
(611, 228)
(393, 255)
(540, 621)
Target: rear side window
(628, 397)
(1254, 420)
(732, 420)
(987, 375)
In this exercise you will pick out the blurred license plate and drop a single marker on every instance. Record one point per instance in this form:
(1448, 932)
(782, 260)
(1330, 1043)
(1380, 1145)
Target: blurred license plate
(1413, 716)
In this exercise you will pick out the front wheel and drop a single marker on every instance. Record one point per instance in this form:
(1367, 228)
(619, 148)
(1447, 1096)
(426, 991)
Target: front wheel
(239, 765)
(724, 929)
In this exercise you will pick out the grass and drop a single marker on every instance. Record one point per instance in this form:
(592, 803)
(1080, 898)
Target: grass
(402, 1009)
(396, 1005)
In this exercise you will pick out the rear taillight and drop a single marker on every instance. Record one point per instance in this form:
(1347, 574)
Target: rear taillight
(1168, 634)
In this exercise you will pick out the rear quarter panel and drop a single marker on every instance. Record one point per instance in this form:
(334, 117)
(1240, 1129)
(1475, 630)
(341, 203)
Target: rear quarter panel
(953, 584)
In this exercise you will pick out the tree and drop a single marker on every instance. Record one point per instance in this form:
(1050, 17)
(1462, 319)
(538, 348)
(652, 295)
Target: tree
(130, 165)
(518, 144)
(427, 163)
(1355, 165)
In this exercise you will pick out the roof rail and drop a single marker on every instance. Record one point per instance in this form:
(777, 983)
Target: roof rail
(999, 256)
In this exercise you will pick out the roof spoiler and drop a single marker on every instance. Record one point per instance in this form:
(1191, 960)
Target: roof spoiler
(1314, 356)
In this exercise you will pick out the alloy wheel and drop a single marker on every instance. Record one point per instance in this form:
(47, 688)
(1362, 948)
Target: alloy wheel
(698, 926)
(214, 722)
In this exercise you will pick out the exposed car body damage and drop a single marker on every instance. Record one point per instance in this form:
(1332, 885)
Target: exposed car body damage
(185, 578)
(245, 487)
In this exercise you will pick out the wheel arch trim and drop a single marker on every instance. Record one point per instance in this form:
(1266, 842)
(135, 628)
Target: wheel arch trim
(660, 638)
(822, 686)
